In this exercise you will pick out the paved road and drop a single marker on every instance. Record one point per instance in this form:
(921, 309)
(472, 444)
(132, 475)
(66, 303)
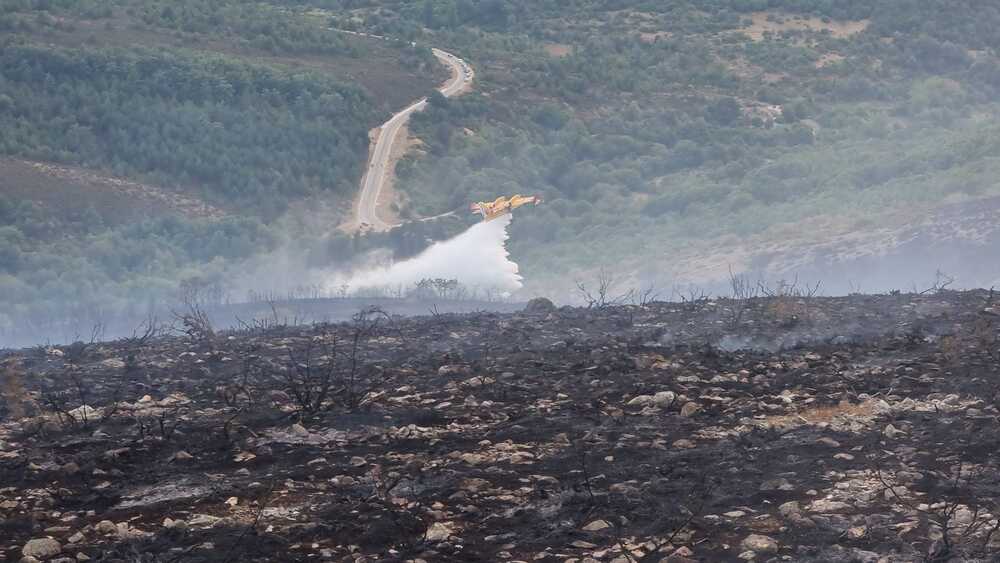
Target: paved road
(378, 167)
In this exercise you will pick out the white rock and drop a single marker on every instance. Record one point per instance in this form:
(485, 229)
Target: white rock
(826, 505)
(664, 398)
(789, 508)
(41, 548)
(759, 544)
(203, 520)
(689, 409)
(85, 412)
(439, 531)
(472, 459)
(891, 431)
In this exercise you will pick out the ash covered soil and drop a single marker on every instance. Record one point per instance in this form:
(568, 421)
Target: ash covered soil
(861, 428)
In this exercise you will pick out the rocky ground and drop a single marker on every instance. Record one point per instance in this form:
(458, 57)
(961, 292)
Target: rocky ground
(789, 428)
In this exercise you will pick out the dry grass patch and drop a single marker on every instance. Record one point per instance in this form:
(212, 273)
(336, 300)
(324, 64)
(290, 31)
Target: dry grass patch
(558, 50)
(776, 22)
(824, 414)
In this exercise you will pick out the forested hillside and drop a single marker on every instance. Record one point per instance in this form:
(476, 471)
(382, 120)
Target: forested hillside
(250, 110)
(657, 126)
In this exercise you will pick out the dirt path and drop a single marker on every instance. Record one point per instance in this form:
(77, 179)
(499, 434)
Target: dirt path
(384, 155)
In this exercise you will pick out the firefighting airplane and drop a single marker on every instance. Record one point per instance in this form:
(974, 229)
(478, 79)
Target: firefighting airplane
(502, 205)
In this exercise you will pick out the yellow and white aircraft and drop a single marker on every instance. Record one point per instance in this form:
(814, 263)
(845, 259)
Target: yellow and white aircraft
(502, 205)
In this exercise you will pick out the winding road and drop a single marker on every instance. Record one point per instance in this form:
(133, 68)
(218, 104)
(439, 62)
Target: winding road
(380, 162)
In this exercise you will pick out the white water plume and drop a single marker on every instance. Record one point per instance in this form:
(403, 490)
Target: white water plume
(477, 258)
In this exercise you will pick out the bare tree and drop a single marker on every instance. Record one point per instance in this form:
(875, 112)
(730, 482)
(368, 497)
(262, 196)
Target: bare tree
(941, 282)
(692, 297)
(646, 296)
(603, 295)
(194, 320)
(330, 366)
(954, 506)
(743, 294)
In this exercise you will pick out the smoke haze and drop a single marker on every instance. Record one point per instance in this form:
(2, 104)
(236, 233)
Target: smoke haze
(477, 258)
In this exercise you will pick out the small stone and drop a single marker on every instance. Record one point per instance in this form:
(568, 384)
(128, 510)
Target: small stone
(113, 363)
(845, 457)
(683, 444)
(358, 461)
(759, 544)
(780, 484)
(640, 401)
(105, 527)
(596, 526)
(881, 407)
(454, 370)
(664, 398)
(471, 458)
(829, 442)
(41, 548)
(182, 456)
(583, 544)
(299, 430)
(85, 413)
(857, 532)
(689, 409)
(439, 531)
(735, 514)
(789, 508)
(203, 520)
(76, 538)
(891, 431)
(146, 399)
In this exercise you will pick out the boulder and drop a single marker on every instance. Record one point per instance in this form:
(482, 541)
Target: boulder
(41, 548)
(758, 543)
(540, 305)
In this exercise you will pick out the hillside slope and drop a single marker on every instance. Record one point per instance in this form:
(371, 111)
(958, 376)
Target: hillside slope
(817, 430)
(652, 128)
(147, 144)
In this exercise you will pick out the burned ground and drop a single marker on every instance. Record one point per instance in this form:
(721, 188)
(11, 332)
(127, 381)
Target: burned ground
(804, 429)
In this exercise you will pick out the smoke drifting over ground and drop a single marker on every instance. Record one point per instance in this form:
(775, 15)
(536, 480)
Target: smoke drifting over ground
(477, 258)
